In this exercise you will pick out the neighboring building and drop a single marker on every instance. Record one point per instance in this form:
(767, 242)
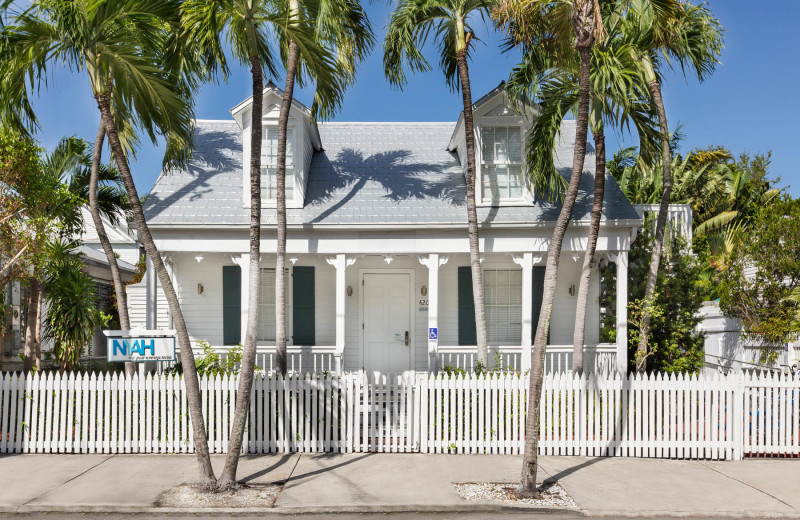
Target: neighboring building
(377, 242)
(96, 266)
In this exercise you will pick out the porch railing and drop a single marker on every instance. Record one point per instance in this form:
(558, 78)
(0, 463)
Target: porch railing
(558, 358)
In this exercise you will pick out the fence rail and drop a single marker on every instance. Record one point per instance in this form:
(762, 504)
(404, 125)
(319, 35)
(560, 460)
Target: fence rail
(715, 417)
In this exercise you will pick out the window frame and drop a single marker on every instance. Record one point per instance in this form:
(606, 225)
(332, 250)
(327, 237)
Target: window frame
(487, 304)
(291, 141)
(487, 199)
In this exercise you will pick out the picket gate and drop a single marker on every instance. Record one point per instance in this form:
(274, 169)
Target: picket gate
(657, 415)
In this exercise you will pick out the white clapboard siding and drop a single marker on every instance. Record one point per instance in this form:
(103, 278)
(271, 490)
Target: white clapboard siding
(657, 415)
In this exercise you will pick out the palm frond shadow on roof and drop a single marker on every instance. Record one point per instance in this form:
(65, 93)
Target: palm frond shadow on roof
(389, 175)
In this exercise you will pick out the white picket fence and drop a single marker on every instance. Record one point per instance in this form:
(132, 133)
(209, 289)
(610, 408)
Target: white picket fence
(716, 417)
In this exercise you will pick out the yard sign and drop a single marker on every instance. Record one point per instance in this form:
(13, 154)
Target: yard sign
(140, 345)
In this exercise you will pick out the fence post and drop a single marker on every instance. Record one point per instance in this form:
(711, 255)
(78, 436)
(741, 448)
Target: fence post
(738, 416)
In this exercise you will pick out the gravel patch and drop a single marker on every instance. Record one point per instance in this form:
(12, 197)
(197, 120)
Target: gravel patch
(250, 496)
(550, 494)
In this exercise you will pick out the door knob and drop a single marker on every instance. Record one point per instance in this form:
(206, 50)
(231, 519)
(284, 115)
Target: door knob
(406, 338)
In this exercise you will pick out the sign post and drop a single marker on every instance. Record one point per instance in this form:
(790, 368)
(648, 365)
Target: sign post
(140, 345)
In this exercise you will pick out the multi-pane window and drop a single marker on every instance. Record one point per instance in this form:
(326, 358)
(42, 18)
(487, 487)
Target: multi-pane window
(266, 304)
(269, 164)
(501, 163)
(503, 305)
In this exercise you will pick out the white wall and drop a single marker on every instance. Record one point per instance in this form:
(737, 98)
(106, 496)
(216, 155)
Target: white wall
(203, 312)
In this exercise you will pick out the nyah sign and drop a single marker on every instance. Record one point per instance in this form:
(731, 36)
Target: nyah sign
(134, 347)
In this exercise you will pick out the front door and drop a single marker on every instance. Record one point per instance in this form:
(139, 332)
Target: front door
(388, 344)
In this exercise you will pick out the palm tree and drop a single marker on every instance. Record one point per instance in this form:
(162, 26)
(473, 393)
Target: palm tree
(120, 45)
(249, 26)
(341, 28)
(528, 20)
(618, 97)
(409, 27)
(692, 37)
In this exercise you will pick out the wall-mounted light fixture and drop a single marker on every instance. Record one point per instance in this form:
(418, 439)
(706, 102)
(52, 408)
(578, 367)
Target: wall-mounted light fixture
(349, 290)
(424, 290)
(572, 290)
(199, 258)
(200, 288)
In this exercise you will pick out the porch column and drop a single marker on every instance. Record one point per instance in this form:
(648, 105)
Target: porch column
(243, 261)
(151, 296)
(622, 311)
(340, 263)
(526, 262)
(433, 262)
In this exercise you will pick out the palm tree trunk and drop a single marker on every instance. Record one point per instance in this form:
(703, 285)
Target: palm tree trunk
(116, 279)
(29, 352)
(472, 214)
(579, 337)
(527, 486)
(37, 330)
(247, 371)
(661, 224)
(187, 357)
(280, 262)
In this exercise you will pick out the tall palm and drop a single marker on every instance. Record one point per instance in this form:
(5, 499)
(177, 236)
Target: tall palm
(529, 20)
(618, 98)
(692, 37)
(119, 44)
(83, 166)
(250, 26)
(409, 27)
(341, 28)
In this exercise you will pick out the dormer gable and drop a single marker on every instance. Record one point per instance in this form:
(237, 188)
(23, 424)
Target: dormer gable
(500, 129)
(302, 141)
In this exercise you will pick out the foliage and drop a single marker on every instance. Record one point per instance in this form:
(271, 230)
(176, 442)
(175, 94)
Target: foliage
(608, 303)
(72, 313)
(674, 343)
(760, 287)
(211, 363)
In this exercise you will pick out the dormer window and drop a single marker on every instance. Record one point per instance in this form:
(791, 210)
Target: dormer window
(501, 163)
(269, 164)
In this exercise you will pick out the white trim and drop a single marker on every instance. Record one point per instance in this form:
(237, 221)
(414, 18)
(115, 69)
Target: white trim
(412, 347)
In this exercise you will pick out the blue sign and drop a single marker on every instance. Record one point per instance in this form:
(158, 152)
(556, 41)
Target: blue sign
(433, 334)
(144, 346)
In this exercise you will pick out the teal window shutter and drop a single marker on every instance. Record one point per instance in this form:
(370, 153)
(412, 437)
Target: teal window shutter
(538, 292)
(303, 305)
(466, 308)
(231, 305)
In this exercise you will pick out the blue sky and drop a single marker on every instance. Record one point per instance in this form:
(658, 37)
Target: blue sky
(748, 105)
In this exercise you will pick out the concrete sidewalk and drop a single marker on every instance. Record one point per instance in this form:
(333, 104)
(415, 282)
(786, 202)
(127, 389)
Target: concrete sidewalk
(398, 482)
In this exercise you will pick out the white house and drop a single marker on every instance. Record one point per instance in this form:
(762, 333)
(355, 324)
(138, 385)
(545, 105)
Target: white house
(377, 242)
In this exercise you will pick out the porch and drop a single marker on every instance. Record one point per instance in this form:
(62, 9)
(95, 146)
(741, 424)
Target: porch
(388, 312)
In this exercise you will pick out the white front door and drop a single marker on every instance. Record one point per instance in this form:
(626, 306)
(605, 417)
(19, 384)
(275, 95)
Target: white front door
(388, 343)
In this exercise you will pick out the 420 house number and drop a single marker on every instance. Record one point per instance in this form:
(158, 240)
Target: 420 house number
(423, 302)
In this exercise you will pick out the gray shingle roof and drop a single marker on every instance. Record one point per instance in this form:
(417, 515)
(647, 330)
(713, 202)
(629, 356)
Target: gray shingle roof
(368, 173)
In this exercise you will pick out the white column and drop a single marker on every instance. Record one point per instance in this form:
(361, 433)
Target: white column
(243, 261)
(622, 311)
(526, 262)
(340, 263)
(151, 295)
(433, 262)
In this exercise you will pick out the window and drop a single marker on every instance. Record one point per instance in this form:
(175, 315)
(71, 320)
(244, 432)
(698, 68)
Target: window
(266, 304)
(501, 163)
(269, 164)
(503, 306)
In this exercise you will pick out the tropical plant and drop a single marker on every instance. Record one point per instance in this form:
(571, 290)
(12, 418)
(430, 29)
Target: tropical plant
(410, 25)
(72, 313)
(579, 22)
(676, 344)
(760, 286)
(141, 80)
(249, 27)
(212, 363)
(691, 37)
(619, 98)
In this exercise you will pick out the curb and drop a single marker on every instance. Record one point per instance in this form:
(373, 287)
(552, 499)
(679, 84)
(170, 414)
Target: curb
(280, 511)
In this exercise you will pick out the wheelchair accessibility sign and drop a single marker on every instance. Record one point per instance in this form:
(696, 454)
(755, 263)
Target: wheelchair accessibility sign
(433, 334)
